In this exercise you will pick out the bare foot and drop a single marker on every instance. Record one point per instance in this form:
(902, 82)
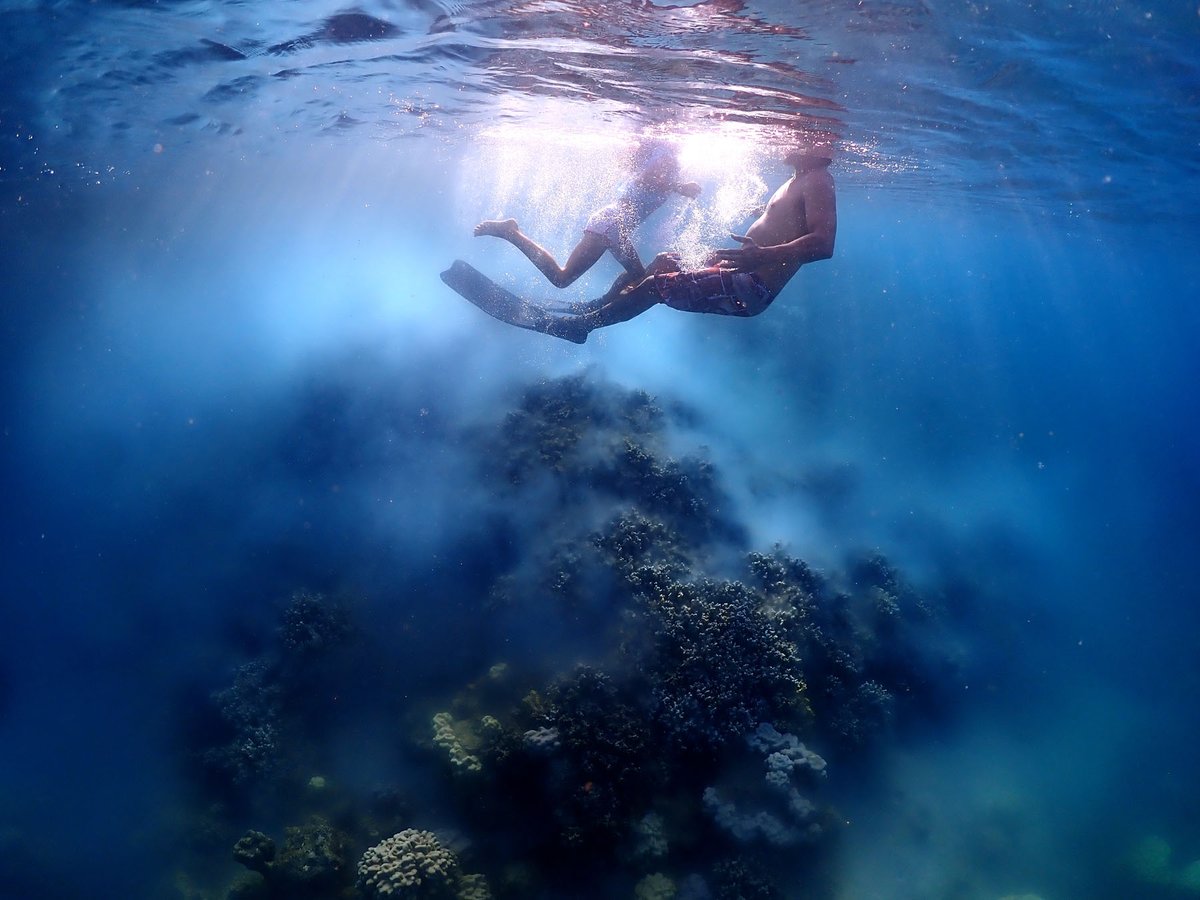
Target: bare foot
(501, 228)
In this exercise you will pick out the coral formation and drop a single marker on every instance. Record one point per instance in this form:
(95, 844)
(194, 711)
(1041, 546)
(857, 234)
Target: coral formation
(761, 825)
(655, 886)
(312, 862)
(720, 665)
(631, 542)
(473, 887)
(448, 735)
(542, 740)
(785, 754)
(600, 441)
(313, 857)
(783, 815)
(255, 851)
(415, 865)
(312, 623)
(605, 764)
(650, 837)
(861, 649)
(560, 423)
(250, 710)
(738, 879)
(250, 731)
(660, 747)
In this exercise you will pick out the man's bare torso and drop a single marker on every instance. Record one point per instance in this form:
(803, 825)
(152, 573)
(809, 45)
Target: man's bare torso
(784, 220)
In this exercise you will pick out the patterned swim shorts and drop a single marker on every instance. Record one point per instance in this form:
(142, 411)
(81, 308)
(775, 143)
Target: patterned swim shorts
(714, 290)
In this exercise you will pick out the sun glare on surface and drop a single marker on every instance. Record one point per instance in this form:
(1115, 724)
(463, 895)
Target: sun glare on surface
(727, 164)
(548, 176)
(551, 171)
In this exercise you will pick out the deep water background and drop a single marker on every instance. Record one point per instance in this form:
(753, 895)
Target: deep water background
(230, 375)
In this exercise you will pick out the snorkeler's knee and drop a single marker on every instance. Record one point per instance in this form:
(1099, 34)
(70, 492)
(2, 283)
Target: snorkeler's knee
(564, 278)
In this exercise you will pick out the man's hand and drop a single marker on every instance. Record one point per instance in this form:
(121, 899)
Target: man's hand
(664, 262)
(750, 256)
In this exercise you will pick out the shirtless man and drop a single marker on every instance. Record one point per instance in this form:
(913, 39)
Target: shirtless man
(798, 226)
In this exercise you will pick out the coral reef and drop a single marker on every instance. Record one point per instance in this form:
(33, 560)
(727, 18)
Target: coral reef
(255, 851)
(250, 711)
(313, 857)
(251, 733)
(785, 754)
(737, 879)
(313, 861)
(650, 837)
(605, 764)
(415, 865)
(719, 664)
(632, 542)
(559, 424)
(791, 771)
(862, 648)
(662, 744)
(542, 740)
(448, 735)
(748, 826)
(594, 440)
(312, 623)
(655, 886)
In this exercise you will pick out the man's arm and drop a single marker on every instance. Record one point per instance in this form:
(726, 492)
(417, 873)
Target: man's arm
(820, 212)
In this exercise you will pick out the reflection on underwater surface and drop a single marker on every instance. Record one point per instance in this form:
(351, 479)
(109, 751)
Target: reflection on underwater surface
(1074, 109)
(304, 557)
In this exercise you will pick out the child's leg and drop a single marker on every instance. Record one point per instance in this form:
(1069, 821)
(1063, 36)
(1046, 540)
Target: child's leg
(589, 249)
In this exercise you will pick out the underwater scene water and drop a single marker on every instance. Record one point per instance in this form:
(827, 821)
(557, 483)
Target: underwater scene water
(321, 583)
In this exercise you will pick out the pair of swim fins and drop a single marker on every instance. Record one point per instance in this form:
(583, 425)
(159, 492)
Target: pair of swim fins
(547, 318)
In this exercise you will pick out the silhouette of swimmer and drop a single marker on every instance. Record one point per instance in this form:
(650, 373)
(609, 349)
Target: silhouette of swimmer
(610, 228)
(798, 226)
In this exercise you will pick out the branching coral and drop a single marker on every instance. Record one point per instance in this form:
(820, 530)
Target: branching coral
(720, 666)
(312, 623)
(593, 438)
(605, 763)
(250, 710)
(861, 649)
(631, 542)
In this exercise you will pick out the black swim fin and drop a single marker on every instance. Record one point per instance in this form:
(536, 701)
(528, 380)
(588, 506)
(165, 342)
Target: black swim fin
(507, 307)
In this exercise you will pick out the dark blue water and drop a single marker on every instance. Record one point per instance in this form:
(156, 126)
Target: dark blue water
(272, 496)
